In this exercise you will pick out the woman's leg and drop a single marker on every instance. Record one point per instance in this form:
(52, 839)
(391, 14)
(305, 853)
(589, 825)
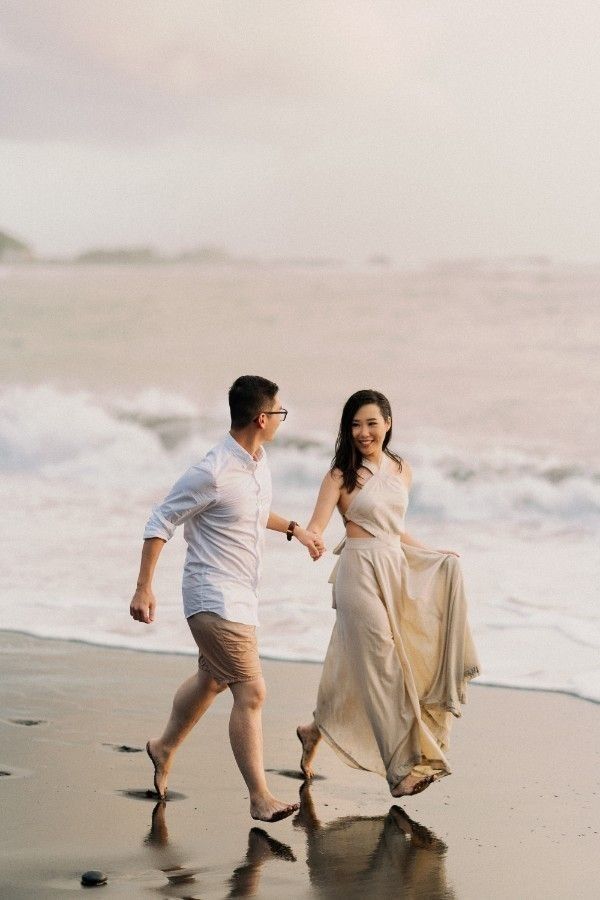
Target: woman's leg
(309, 736)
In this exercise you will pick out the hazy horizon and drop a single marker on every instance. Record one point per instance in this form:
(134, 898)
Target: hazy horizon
(219, 255)
(419, 130)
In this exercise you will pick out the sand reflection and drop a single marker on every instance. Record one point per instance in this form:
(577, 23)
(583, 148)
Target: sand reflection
(354, 856)
(245, 879)
(167, 857)
(365, 856)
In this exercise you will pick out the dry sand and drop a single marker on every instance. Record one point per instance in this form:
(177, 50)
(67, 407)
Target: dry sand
(519, 818)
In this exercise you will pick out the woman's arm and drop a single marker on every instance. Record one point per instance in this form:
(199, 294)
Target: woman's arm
(328, 499)
(406, 538)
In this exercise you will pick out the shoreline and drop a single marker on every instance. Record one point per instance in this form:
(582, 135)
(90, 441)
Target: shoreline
(192, 653)
(520, 810)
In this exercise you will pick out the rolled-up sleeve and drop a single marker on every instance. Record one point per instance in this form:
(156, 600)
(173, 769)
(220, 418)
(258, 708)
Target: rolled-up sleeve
(193, 493)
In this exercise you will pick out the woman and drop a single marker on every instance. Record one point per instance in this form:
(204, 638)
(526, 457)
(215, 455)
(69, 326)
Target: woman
(401, 650)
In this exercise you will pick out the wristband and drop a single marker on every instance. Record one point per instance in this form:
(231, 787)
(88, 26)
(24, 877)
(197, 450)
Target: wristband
(290, 530)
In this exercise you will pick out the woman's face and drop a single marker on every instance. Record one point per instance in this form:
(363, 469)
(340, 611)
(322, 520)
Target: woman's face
(369, 429)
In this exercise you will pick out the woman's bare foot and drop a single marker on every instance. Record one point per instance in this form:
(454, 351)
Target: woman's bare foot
(158, 835)
(420, 837)
(307, 816)
(162, 764)
(411, 785)
(268, 809)
(309, 736)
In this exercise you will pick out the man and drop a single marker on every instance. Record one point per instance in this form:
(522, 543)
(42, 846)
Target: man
(224, 502)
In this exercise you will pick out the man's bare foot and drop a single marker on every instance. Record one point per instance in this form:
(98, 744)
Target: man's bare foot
(411, 785)
(162, 763)
(261, 846)
(309, 736)
(268, 809)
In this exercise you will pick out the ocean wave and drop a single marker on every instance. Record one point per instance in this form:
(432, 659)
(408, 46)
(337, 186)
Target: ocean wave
(80, 437)
(152, 436)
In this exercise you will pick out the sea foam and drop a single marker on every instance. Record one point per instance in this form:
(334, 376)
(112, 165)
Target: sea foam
(146, 438)
(79, 473)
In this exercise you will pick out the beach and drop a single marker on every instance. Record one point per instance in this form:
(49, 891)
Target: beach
(519, 816)
(99, 418)
(338, 197)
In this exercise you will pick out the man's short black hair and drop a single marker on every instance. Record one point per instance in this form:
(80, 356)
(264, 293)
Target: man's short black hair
(248, 396)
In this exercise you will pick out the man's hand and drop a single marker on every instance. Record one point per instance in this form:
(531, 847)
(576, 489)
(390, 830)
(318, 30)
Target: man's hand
(143, 605)
(312, 541)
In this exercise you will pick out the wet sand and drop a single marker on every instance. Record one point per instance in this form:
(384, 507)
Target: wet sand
(520, 816)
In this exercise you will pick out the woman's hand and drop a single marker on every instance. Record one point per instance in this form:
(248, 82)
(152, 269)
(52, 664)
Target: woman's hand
(312, 541)
(406, 538)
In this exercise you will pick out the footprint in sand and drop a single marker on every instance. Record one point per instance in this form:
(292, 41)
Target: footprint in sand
(123, 748)
(27, 721)
(10, 772)
(294, 773)
(150, 795)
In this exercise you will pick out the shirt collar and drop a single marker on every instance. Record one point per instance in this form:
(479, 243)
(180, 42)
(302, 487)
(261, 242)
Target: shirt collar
(237, 450)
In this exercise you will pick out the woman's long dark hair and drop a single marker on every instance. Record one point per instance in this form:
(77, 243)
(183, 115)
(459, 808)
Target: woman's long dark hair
(347, 458)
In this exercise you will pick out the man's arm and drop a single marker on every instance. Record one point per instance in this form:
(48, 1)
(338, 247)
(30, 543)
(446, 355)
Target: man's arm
(189, 496)
(143, 603)
(313, 542)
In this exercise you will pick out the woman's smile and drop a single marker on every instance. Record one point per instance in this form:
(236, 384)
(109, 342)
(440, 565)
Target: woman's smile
(369, 429)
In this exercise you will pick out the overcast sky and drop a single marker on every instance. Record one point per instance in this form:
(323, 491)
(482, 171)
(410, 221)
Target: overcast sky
(286, 127)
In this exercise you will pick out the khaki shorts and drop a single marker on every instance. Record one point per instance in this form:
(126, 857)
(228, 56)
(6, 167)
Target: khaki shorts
(228, 650)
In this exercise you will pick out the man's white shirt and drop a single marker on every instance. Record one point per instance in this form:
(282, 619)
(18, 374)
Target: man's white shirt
(223, 504)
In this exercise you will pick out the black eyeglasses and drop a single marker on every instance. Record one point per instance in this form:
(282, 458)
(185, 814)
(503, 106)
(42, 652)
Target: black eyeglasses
(275, 412)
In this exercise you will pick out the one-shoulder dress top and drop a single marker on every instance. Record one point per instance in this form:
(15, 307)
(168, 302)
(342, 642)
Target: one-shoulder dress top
(380, 505)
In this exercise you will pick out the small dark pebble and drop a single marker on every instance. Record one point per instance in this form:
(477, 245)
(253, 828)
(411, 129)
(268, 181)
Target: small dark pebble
(93, 878)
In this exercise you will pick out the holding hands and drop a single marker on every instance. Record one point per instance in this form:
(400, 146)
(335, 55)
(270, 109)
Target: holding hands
(312, 541)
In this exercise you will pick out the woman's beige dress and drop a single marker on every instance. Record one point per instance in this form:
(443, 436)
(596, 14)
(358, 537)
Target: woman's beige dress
(401, 650)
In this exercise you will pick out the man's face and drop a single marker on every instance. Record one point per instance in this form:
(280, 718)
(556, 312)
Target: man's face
(273, 421)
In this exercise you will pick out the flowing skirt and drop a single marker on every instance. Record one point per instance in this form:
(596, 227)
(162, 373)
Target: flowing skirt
(398, 660)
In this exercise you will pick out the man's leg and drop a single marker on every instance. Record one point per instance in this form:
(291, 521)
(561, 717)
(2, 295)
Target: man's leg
(245, 733)
(190, 703)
